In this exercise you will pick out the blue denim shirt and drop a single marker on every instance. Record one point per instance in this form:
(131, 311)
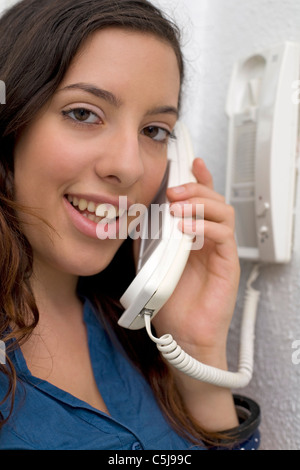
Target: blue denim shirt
(48, 418)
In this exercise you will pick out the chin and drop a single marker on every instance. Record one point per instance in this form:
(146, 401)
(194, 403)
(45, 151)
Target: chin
(89, 263)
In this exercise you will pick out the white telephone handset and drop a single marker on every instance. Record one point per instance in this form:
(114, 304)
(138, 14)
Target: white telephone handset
(161, 259)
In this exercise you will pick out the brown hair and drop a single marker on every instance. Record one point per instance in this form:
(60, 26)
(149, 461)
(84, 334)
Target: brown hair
(39, 39)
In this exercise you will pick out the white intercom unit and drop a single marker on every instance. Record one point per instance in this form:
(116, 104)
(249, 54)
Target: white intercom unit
(262, 152)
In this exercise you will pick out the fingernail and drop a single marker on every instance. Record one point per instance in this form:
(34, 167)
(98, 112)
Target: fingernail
(178, 189)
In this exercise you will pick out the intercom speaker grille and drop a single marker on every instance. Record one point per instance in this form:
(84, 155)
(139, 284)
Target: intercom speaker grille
(244, 165)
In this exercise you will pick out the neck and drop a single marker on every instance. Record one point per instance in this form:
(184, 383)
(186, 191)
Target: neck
(54, 291)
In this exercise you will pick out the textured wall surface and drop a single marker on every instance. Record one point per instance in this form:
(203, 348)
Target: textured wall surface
(217, 33)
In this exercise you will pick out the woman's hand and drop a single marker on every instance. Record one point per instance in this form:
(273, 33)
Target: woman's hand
(199, 312)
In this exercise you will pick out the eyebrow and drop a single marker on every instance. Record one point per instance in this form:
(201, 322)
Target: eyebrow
(163, 110)
(98, 92)
(114, 100)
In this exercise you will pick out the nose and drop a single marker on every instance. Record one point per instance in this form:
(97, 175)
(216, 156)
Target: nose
(121, 161)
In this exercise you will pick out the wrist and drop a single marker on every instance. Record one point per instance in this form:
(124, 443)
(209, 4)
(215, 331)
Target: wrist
(212, 406)
(247, 431)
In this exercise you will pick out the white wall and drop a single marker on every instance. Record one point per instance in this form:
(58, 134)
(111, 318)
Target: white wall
(6, 3)
(216, 33)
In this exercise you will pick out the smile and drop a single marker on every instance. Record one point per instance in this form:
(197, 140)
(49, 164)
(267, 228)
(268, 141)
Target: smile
(95, 211)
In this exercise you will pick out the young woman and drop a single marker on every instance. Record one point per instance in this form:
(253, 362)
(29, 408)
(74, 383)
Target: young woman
(93, 95)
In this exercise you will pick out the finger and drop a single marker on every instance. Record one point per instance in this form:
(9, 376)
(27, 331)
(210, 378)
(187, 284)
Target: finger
(205, 208)
(203, 186)
(220, 234)
(201, 173)
(192, 190)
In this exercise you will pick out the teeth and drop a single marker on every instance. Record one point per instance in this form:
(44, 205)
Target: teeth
(82, 204)
(97, 212)
(91, 207)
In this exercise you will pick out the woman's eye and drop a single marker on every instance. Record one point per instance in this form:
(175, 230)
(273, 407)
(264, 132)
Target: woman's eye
(82, 115)
(156, 133)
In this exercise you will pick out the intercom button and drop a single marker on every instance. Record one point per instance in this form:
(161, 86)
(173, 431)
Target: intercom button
(263, 230)
(262, 208)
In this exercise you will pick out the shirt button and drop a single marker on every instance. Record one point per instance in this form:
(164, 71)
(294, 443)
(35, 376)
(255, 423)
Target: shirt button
(136, 446)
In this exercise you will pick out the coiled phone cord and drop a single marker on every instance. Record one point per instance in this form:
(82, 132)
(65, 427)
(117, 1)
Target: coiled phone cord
(173, 353)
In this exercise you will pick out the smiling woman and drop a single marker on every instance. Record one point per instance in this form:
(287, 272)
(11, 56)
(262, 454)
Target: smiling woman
(102, 135)
(86, 125)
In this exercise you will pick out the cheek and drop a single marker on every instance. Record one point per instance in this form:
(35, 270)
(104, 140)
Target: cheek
(45, 160)
(153, 180)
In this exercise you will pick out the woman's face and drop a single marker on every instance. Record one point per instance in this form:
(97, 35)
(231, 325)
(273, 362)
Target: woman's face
(103, 135)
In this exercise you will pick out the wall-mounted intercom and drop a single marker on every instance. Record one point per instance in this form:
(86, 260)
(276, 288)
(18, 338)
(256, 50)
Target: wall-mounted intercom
(262, 151)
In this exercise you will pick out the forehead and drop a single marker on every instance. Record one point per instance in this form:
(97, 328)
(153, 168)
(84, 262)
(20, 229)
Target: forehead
(127, 60)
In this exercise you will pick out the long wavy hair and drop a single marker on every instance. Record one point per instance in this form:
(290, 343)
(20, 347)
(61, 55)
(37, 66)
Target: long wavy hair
(39, 39)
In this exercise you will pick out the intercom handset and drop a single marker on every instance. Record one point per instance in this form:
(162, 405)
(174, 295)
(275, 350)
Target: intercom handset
(262, 149)
(164, 253)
